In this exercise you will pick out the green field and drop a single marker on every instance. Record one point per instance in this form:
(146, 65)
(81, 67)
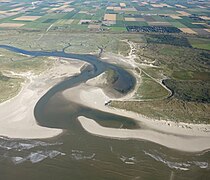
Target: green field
(9, 87)
(200, 43)
(50, 13)
(150, 89)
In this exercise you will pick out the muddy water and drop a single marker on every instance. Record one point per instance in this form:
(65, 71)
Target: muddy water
(78, 155)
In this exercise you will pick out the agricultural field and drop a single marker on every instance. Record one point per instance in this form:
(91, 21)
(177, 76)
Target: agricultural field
(168, 16)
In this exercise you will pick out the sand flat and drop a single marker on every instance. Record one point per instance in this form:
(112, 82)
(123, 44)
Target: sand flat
(17, 114)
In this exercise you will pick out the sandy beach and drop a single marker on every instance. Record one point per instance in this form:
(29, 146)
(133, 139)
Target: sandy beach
(17, 114)
(187, 143)
(18, 121)
(179, 136)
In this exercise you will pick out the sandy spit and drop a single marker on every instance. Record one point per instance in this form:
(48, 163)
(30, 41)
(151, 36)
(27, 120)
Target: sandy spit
(179, 136)
(187, 143)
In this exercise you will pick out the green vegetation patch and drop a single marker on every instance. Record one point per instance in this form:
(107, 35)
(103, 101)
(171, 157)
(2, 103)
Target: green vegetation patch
(111, 76)
(191, 75)
(177, 24)
(118, 29)
(150, 89)
(200, 43)
(50, 21)
(195, 91)
(10, 61)
(174, 110)
(175, 58)
(9, 87)
(136, 23)
(168, 39)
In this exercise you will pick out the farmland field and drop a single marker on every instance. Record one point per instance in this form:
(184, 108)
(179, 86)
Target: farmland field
(110, 17)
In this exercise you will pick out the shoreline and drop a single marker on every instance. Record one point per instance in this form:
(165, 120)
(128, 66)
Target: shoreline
(17, 114)
(187, 144)
(196, 136)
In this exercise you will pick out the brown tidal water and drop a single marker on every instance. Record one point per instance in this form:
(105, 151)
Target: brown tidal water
(83, 156)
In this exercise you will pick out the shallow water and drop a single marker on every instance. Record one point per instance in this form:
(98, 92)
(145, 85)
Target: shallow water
(79, 155)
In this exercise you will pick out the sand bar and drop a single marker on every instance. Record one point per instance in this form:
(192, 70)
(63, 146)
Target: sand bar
(189, 144)
(166, 133)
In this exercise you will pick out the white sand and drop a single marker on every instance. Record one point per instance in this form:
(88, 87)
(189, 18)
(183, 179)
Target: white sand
(190, 144)
(180, 136)
(17, 114)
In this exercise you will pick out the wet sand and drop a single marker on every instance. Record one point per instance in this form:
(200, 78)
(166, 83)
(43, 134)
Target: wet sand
(17, 114)
(179, 136)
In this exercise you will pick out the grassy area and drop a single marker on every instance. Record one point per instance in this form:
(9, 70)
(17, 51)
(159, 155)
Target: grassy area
(13, 62)
(111, 76)
(187, 70)
(80, 42)
(150, 89)
(174, 58)
(175, 110)
(196, 91)
(18, 63)
(9, 87)
(168, 39)
(200, 43)
(191, 75)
